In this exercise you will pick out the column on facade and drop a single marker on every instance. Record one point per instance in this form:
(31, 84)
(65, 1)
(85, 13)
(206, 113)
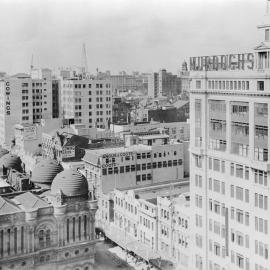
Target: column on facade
(228, 127)
(12, 241)
(5, 242)
(19, 240)
(70, 229)
(76, 229)
(251, 130)
(30, 239)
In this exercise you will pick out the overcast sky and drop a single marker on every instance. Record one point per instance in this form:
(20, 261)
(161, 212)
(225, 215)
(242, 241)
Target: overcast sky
(143, 35)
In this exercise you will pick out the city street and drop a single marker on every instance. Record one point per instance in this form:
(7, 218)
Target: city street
(106, 260)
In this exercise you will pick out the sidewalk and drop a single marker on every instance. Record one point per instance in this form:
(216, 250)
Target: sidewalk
(130, 243)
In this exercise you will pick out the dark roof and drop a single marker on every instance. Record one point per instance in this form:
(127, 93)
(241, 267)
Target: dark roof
(45, 171)
(29, 201)
(11, 161)
(153, 201)
(7, 207)
(70, 183)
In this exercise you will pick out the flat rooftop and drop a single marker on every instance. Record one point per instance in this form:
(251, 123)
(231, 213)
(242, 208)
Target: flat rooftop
(115, 150)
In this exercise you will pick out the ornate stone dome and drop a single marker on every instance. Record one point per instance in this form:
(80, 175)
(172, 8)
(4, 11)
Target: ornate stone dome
(11, 161)
(70, 183)
(45, 171)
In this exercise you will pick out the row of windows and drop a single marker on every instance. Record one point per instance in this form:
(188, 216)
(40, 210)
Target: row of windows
(261, 249)
(98, 85)
(216, 185)
(261, 201)
(239, 171)
(240, 216)
(240, 239)
(143, 177)
(238, 193)
(215, 227)
(216, 249)
(240, 261)
(217, 165)
(139, 167)
(228, 85)
(261, 225)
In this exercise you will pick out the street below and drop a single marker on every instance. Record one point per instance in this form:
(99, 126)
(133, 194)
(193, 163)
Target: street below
(105, 260)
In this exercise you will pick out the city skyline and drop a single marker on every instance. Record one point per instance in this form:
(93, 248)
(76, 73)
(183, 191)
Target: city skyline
(121, 35)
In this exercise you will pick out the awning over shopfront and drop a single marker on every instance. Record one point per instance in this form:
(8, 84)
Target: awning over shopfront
(130, 243)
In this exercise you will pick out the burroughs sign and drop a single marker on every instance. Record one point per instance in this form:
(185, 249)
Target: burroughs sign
(223, 62)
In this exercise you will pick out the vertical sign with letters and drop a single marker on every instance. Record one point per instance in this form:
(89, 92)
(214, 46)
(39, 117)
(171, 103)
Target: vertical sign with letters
(7, 92)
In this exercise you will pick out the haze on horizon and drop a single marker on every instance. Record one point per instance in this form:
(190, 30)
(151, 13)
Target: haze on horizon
(141, 35)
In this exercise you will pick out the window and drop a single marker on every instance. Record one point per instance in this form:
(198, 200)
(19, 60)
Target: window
(266, 34)
(198, 84)
(261, 201)
(260, 85)
(198, 161)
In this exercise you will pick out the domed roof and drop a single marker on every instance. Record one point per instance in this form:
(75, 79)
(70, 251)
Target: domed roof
(45, 171)
(10, 161)
(70, 183)
(3, 152)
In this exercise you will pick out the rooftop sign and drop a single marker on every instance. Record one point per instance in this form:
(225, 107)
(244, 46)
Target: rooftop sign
(222, 62)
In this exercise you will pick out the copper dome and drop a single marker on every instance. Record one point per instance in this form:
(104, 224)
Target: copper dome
(45, 171)
(70, 183)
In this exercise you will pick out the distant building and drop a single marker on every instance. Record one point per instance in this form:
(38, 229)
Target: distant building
(175, 130)
(121, 110)
(125, 83)
(26, 100)
(184, 76)
(175, 112)
(64, 146)
(163, 83)
(87, 101)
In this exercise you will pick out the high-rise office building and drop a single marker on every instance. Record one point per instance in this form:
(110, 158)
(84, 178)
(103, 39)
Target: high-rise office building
(229, 142)
(24, 100)
(87, 101)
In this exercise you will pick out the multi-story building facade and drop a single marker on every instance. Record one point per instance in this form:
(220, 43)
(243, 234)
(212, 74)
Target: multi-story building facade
(164, 84)
(135, 165)
(229, 144)
(86, 101)
(151, 221)
(55, 229)
(24, 100)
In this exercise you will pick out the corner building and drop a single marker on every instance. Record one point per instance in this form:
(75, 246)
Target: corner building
(229, 142)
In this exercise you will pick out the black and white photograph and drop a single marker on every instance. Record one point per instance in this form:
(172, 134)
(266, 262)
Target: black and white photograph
(134, 134)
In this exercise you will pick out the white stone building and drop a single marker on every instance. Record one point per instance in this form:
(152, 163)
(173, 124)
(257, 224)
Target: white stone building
(229, 105)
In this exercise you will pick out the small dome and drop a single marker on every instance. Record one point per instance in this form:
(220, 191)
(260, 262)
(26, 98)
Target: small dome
(45, 171)
(71, 183)
(3, 152)
(10, 161)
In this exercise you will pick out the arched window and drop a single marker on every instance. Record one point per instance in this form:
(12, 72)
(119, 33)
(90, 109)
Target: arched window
(41, 239)
(48, 237)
